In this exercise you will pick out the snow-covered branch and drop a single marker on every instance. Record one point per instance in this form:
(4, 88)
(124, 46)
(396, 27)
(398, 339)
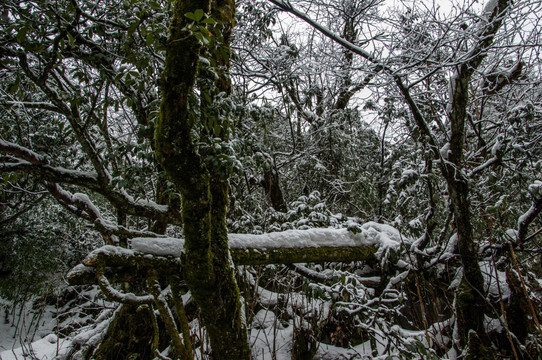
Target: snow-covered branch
(125, 298)
(32, 162)
(526, 219)
(23, 153)
(379, 66)
(81, 205)
(494, 160)
(287, 6)
(296, 246)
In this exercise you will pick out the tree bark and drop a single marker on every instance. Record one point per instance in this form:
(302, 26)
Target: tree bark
(208, 270)
(273, 191)
(470, 303)
(130, 335)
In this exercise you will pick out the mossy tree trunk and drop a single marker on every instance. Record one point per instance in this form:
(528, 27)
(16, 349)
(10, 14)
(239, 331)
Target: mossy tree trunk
(273, 191)
(204, 189)
(470, 301)
(131, 335)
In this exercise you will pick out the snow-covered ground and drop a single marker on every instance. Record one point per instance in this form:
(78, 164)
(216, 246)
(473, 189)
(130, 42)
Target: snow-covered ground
(48, 348)
(270, 339)
(28, 333)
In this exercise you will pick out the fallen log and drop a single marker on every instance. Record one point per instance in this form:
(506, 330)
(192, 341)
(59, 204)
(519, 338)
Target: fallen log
(369, 242)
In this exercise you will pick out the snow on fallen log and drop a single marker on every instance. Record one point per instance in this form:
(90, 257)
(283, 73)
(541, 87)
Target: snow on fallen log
(158, 246)
(377, 239)
(369, 242)
(120, 264)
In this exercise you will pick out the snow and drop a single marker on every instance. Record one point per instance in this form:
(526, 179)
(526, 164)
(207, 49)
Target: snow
(83, 198)
(450, 248)
(445, 151)
(497, 147)
(511, 234)
(272, 343)
(25, 153)
(495, 287)
(158, 246)
(286, 239)
(108, 250)
(529, 214)
(144, 202)
(457, 279)
(92, 336)
(535, 189)
(50, 347)
(397, 279)
(407, 175)
(489, 8)
(293, 300)
(123, 297)
(387, 239)
(380, 235)
(21, 333)
(362, 351)
(79, 269)
(265, 319)
(152, 204)
(494, 325)
(76, 174)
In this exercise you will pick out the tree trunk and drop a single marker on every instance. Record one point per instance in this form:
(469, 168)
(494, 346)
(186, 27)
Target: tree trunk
(469, 298)
(131, 335)
(271, 185)
(208, 270)
(470, 302)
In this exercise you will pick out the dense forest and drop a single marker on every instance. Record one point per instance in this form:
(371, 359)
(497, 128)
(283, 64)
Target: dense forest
(304, 179)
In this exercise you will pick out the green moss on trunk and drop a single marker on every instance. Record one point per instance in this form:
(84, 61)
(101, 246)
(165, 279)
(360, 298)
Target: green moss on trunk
(476, 349)
(130, 334)
(303, 255)
(207, 266)
(470, 304)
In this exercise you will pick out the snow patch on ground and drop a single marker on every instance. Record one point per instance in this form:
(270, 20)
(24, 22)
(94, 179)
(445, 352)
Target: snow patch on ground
(48, 348)
(495, 286)
(28, 332)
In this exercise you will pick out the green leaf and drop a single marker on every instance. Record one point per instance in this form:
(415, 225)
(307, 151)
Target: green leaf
(133, 26)
(21, 35)
(203, 30)
(71, 39)
(201, 38)
(13, 88)
(208, 21)
(150, 38)
(190, 15)
(217, 129)
(207, 97)
(198, 14)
